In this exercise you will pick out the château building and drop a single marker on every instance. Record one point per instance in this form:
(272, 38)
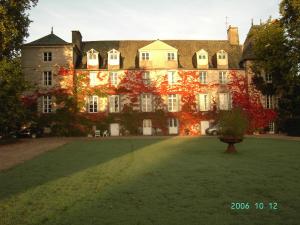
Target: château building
(186, 80)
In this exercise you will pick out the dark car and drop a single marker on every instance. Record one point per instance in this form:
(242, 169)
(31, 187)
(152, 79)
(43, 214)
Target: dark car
(213, 130)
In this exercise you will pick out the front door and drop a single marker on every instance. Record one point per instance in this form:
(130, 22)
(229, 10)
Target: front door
(114, 129)
(147, 127)
(173, 126)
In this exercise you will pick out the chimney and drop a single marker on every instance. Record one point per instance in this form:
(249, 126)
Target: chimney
(233, 35)
(77, 39)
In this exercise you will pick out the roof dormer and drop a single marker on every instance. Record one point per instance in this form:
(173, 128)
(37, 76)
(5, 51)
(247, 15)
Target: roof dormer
(222, 59)
(113, 59)
(158, 54)
(202, 59)
(92, 59)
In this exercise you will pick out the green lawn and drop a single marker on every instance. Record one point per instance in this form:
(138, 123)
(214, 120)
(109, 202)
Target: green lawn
(176, 181)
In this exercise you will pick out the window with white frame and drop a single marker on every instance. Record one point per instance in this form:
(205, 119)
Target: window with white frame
(114, 103)
(47, 56)
(171, 77)
(203, 77)
(172, 103)
(113, 57)
(171, 56)
(202, 56)
(146, 102)
(224, 101)
(268, 78)
(113, 76)
(47, 78)
(222, 54)
(145, 56)
(93, 104)
(173, 122)
(47, 104)
(222, 77)
(92, 55)
(93, 79)
(269, 101)
(146, 77)
(204, 102)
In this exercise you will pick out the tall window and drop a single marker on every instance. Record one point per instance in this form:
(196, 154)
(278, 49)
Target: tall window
(269, 101)
(222, 77)
(47, 56)
(113, 78)
(171, 77)
(93, 104)
(93, 78)
(171, 56)
(172, 103)
(145, 55)
(223, 101)
(146, 77)
(47, 104)
(114, 103)
(47, 78)
(146, 102)
(204, 102)
(203, 77)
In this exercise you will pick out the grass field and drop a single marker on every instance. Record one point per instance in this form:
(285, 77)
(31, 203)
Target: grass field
(175, 181)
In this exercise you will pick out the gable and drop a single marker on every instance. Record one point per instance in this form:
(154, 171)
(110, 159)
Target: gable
(158, 45)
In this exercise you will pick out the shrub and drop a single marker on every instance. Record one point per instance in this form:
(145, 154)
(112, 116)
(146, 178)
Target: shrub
(233, 123)
(292, 126)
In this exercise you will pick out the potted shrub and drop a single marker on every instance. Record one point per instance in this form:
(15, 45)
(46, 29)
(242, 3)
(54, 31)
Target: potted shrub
(233, 126)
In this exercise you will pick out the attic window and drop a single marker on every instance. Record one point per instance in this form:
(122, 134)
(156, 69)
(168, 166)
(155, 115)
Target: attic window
(145, 55)
(113, 57)
(92, 54)
(222, 54)
(171, 56)
(202, 56)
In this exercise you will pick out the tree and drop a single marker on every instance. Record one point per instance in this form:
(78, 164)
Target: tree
(277, 52)
(12, 86)
(290, 19)
(14, 22)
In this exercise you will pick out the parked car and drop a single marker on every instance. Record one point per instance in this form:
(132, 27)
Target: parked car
(31, 132)
(213, 130)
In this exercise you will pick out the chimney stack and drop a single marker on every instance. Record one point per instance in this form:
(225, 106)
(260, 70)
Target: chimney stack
(77, 39)
(233, 35)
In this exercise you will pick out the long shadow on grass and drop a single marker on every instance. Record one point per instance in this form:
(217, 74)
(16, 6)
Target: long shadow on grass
(190, 182)
(65, 161)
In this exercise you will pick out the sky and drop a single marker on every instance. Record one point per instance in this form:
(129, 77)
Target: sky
(148, 20)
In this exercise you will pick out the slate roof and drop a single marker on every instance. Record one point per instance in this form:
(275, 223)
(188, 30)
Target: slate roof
(50, 39)
(186, 52)
(248, 53)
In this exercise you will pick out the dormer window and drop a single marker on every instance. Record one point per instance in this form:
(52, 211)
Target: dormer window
(92, 55)
(202, 56)
(171, 56)
(92, 59)
(113, 57)
(222, 59)
(202, 59)
(222, 55)
(145, 56)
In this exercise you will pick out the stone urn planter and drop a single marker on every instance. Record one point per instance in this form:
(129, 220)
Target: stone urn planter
(230, 141)
(233, 126)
